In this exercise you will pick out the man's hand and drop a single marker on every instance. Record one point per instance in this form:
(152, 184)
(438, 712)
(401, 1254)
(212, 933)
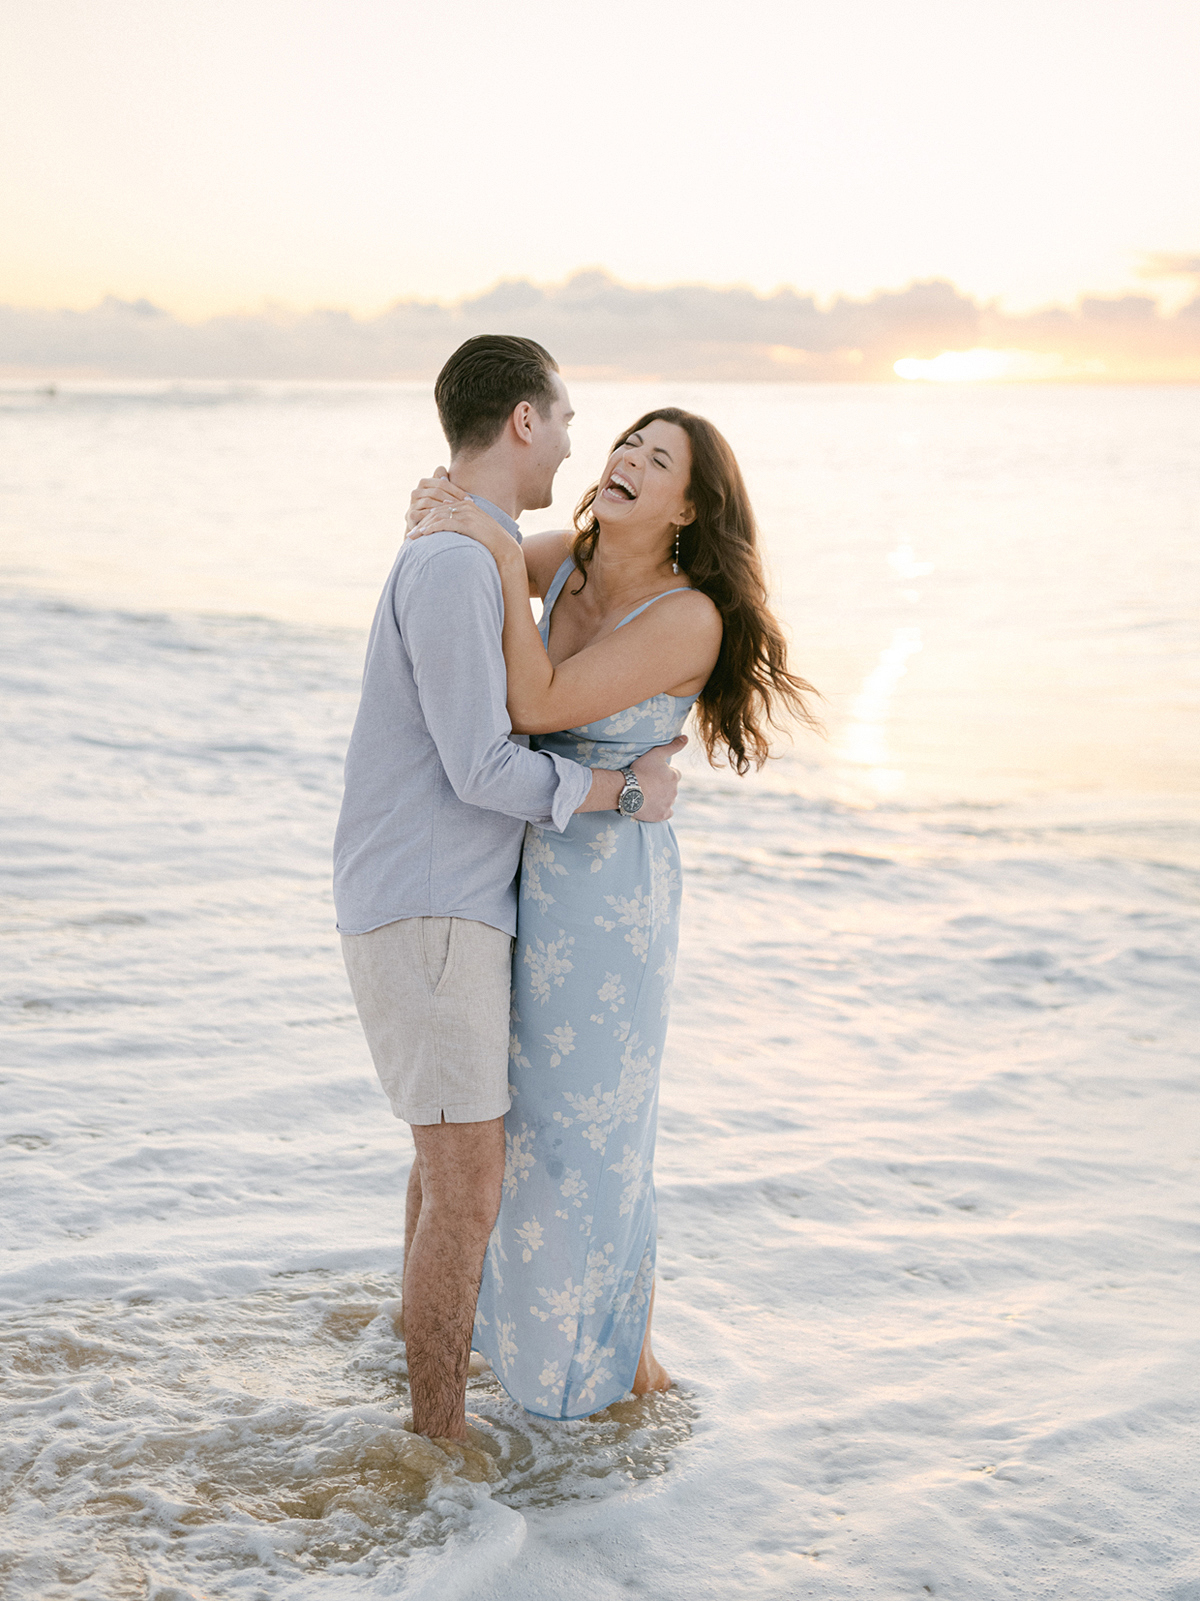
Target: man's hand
(430, 494)
(659, 781)
(655, 774)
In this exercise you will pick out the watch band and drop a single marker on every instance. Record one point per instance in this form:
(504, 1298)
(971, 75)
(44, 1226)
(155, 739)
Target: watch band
(631, 785)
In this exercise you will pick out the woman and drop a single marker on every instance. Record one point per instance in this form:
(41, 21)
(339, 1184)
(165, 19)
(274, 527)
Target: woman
(654, 606)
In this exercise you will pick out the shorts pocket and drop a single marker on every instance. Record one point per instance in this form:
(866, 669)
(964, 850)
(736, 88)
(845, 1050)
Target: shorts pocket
(451, 953)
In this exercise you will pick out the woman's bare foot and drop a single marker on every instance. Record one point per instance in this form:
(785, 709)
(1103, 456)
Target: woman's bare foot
(650, 1375)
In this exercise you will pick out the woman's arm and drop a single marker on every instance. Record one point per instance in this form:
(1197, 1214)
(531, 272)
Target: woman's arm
(670, 649)
(543, 552)
(525, 659)
(671, 645)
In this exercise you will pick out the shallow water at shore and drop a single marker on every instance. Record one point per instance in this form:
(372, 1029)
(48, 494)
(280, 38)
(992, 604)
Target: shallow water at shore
(929, 1124)
(189, 1442)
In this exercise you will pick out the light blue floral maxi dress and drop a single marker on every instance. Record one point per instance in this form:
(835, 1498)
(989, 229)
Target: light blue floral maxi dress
(566, 1283)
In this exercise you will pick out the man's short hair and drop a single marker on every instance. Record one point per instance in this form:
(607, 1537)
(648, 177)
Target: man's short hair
(484, 380)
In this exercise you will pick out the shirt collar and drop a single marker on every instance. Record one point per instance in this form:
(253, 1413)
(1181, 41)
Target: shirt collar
(502, 517)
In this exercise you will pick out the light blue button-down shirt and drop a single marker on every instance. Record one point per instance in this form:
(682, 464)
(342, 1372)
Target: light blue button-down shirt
(437, 792)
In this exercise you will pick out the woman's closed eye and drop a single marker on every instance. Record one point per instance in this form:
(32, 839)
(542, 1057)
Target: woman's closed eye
(659, 460)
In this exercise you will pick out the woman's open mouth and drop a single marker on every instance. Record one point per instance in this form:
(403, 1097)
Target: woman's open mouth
(620, 488)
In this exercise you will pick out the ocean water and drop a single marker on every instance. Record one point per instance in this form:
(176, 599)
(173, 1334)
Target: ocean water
(929, 1138)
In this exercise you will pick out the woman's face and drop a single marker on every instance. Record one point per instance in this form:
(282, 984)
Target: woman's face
(645, 480)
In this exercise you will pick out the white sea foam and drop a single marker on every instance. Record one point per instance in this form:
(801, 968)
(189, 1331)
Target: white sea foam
(928, 1131)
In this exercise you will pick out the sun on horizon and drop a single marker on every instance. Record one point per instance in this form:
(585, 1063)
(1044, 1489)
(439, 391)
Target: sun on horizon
(982, 365)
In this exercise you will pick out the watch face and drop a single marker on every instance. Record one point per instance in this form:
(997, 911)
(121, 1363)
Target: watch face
(631, 801)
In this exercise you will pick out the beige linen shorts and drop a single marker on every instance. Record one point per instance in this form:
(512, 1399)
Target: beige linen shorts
(433, 995)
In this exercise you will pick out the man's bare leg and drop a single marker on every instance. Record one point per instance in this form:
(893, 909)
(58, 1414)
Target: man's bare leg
(412, 1213)
(461, 1172)
(650, 1375)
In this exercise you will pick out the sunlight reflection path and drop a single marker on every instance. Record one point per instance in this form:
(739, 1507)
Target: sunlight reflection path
(865, 741)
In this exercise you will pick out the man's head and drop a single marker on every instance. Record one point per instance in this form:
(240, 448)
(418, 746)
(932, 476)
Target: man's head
(503, 395)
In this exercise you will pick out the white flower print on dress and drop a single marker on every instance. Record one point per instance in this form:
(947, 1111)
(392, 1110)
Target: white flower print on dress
(591, 1358)
(604, 1109)
(562, 1043)
(518, 1158)
(664, 879)
(505, 1344)
(591, 1350)
(662, 711)
(667, 973)
(601, 1275)
(586, 751)
(620, 723)
(645, 915)
(639, 1295)
(634, 914)
(573, 1187)
(538, 858)
(596, 1376)
(604, 845)
(611, 993)
(548, 965)
(658, 717)
(530, 1236)
(576, 1300)
(633, 1168)
(495, 1256)
(564, 1305)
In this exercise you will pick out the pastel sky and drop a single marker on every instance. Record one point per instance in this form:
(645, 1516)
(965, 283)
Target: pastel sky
(215, 155)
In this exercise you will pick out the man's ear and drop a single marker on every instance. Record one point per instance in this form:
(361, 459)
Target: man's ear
(520, 420)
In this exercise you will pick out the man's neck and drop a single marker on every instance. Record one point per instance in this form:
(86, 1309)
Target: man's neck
(490, 478)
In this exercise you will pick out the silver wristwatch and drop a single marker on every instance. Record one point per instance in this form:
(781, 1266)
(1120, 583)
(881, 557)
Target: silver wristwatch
(631, 798)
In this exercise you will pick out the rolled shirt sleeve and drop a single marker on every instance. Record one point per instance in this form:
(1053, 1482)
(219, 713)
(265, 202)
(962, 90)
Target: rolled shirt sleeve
(452, 621)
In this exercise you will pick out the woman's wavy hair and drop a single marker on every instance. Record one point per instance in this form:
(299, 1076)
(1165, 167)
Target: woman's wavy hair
(750, 689)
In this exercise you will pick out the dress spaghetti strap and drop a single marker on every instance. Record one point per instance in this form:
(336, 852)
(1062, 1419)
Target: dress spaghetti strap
(638, 610)
(556, 585)
(565, 571)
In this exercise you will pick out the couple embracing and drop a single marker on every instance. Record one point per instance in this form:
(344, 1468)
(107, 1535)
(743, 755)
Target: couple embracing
(528, 1067)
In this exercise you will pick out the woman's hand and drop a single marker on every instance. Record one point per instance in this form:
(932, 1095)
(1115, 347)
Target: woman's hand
(430, 493)
(465, 517)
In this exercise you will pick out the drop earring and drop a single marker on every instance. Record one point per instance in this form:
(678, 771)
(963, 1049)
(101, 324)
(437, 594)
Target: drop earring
(675, 563)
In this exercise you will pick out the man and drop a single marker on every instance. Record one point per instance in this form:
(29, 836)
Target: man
(428, 848)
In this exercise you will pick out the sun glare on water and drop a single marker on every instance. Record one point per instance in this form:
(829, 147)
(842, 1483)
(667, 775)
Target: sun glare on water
(982, 366)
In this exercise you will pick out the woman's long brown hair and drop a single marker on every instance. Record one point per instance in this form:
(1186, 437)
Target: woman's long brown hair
(750, 689)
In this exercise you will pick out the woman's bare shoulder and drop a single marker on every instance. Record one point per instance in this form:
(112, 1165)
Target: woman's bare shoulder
(685, 628)
(544, 555)
(689, 608)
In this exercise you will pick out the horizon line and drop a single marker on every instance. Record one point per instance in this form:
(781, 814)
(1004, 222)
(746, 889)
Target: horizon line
(595, 325)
